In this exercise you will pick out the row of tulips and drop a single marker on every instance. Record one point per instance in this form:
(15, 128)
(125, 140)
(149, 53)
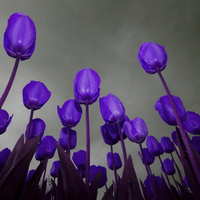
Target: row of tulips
(75, 178)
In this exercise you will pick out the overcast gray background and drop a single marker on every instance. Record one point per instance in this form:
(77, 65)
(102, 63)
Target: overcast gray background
(105, 36)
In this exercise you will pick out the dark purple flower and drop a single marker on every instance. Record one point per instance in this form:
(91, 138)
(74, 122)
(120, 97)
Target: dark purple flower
(196, 143)
(54, 168)
(167, 145)
(110, 134)
(79, 159)
(149, 158)
(154, 146)
(70, 113)
(86, 86)
(136, 130)
(164, 108)
(4, 120)
(29, 175)
(173, 135)
(192, 123)
(152, 57)
(35, 95)
(46, 148)
(169, 166)
(4, 155)
(37, 127)
(20, 36)
(112, 109)
(117, 161)
(96, 169)
(64, 137)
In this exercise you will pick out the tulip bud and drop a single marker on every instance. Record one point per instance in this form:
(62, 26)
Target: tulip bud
(167, 145)
(54, 168)
(4, 120)
(154, 146)
(169, 166)
(117, 161)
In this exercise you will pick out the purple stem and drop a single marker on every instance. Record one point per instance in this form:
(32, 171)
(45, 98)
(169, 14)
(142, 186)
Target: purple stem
(182, 131)
(122, 143)
(10, 82)
(148, 172)
(69, 138)
(29, 125)
(87, 173)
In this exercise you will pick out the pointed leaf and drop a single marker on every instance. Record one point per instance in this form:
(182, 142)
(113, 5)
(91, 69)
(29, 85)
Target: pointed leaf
(188, 168)
(109, 194)
(60, 192)
(73, 185)
(129, 186)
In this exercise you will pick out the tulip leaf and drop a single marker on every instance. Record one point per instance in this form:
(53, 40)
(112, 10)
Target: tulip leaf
(32, 186)
(8, 187)
(109, 194)
(60, 192)
(73, 185)
(129, 186)
(146, 195)
(187, 165)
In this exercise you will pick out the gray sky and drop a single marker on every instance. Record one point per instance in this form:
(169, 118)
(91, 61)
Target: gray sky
(105, 36)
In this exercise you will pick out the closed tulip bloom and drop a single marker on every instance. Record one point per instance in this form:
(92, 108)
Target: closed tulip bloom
(37, 127)
(196, 143)
(20, 36)
(35, 95)
(64, 137)
(46, 148)
(86, 86)
(112, 109)
(152, 57)
(96, 169)
(149, 158)
(136, 130)
(154, 146)
(4, 120)
(164, 108)
(54, 168)
(29, 175)
(70, 113)
(169, 166)
(192, 123)
(79, 159)
(117, 161)
(167, 145)
(173, 135)
(4, 155)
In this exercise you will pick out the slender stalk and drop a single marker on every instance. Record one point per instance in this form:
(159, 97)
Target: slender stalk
(148, 172)
(10, 82)
(69, 138)
(29, 125)
(122, 143)
(114, 169)
(182, 131)
(87, 173)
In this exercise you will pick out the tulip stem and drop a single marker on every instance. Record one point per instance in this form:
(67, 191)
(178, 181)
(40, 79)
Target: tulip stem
(29, 124)
(87, 173)
(10, 82)
(182, 131)
(122, 143)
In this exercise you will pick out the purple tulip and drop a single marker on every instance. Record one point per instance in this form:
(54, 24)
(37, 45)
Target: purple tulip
(196, 143)
(117, 161)
(4, 155)
(96, 169)
(136, 130)
(86, 86)
(164, 108)
(149, 158)
(29, 175)
(79, 159)
(154, 146)
(46, 148)
(152, 57)
(54, 168)
(173, 135)
(4, 120)
(70, 113)
(169, 166)
(64, 137)
(192, 123)
(20, 36)
(35, 95)
(37, 127)
(112, 109)
(167, 145)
